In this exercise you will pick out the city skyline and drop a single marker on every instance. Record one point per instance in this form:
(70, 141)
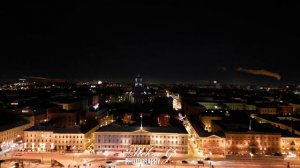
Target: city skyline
(166, 42)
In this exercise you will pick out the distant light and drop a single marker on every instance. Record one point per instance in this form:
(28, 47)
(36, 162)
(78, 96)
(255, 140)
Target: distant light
(25, 111)
(96, 106)
(99, 82)
(291, 155)
(215, 82)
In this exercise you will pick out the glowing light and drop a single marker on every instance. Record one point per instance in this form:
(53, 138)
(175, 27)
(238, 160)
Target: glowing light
(96, 106)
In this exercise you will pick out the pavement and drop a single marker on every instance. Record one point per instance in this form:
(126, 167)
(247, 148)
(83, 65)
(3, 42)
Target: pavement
(95, 160)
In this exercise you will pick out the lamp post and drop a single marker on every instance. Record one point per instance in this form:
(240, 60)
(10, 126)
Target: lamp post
(77, 154)
(251, 155)
(105, 154)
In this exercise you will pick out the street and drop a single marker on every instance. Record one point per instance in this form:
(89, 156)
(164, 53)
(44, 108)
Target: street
(94, 161)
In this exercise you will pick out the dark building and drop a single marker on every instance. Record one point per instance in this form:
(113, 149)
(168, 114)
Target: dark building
(138, 93)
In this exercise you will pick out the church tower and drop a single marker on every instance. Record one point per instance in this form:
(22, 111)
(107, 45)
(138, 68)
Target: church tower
(138, 81)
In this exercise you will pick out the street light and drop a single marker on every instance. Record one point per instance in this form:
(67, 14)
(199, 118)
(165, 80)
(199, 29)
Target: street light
(77, 154)
(251, 155)
(105, 154)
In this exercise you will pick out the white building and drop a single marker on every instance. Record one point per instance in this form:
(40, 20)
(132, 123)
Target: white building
(159, 139)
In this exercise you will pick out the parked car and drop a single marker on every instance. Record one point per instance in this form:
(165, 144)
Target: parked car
(208, 158)
(184, 162)
(200, 162)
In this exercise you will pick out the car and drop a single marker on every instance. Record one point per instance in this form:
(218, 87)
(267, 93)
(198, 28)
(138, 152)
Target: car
(169, 161)
(184, 162)
(277, 154)
(207, 158)
(200, 162)
(18, 154)
(108, 162)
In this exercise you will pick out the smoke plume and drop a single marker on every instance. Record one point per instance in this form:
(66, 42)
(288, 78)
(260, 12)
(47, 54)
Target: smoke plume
(260, 72)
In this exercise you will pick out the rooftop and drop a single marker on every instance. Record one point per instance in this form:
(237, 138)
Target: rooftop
(76, 130)
(196, 124)
(118, 128)
(13, 125)
(286, 120)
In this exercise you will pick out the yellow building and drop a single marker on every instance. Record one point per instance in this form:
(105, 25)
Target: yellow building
(290, 144)
(267, 110)
(212, 145)
(244, 143)
(159, 139)
(39, 138)
(206, 121)
(13, 132)
(283, 123)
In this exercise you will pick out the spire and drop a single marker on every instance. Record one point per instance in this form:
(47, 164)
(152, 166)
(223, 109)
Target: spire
(141, 116)
(250, 125)
(138, 80)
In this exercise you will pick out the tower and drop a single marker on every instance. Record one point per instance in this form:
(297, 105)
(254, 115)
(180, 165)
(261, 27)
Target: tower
(138, 92)
(250, 125)
(138, 81)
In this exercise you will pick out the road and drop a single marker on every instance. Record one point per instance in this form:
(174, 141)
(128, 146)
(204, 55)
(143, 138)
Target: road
(93, 161)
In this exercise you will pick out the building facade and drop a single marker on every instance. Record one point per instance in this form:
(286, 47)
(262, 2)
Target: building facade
(15, 132)
(244, 143)
(47, 140)
(40, 138)
(212, 145)
(159, 139)
(267, 110)
(290, 144)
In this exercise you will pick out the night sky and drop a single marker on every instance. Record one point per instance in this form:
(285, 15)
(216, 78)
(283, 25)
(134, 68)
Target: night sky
(173, 41)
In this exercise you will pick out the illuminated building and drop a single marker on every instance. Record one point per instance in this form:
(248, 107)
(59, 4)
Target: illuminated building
(212, 145)
(285, 109)
(227, 105)
(163, 120)
(242, 138)
(254, 142)
(176, 100)
(206, 143)
(127, 118)
(282, 122)
(42, 138)
(275, 109)
(139, 93)
(290, 144)
(295, 106)
(207, 119)
(14, 132)
(267, 110)
(122, 139)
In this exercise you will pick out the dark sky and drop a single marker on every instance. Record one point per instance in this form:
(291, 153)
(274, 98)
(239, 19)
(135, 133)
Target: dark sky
(169, 41)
